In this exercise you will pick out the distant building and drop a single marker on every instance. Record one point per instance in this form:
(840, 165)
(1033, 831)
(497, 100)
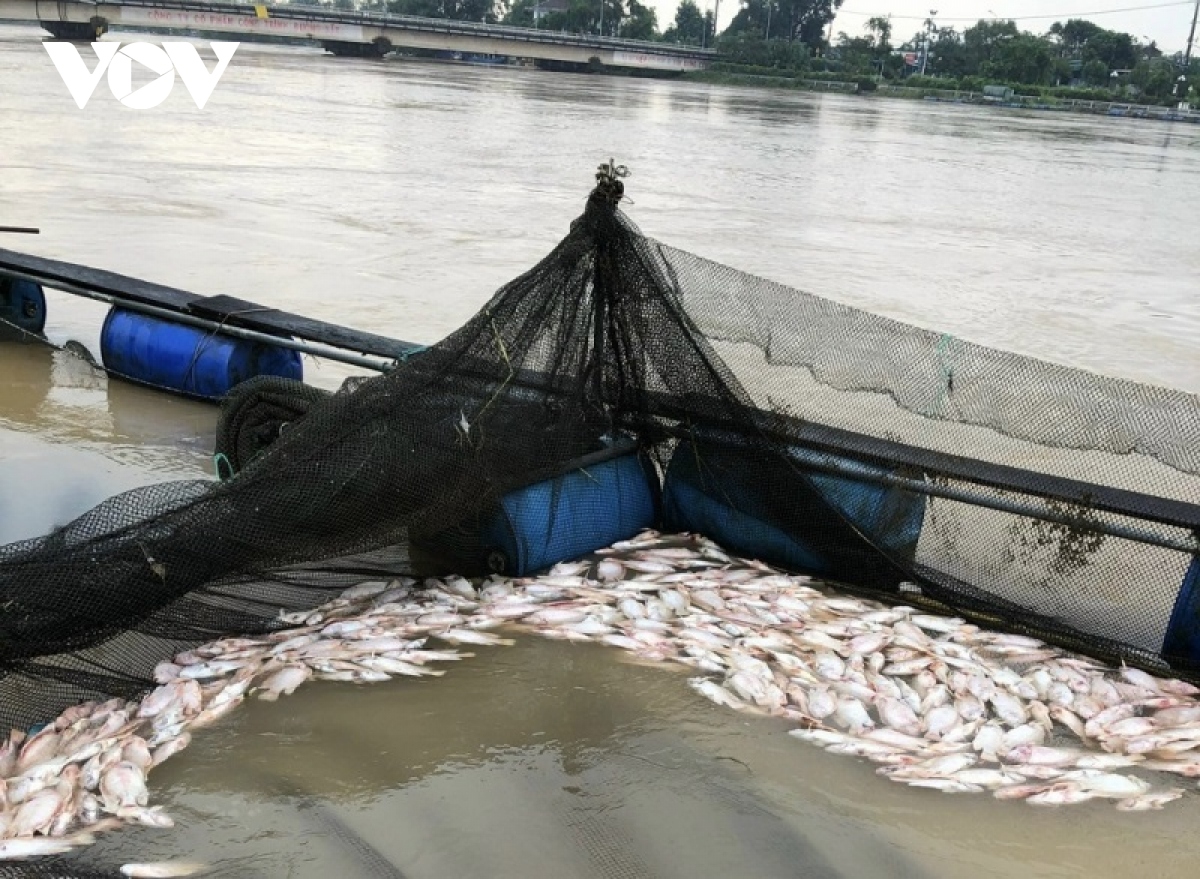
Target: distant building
(541, 10)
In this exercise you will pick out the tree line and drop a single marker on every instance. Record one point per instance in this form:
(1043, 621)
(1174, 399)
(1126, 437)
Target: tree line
(791, 37)
(1075, 52)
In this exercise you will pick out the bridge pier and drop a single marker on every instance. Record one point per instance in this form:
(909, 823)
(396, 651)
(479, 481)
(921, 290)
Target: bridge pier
(78, 31)
(377, 48)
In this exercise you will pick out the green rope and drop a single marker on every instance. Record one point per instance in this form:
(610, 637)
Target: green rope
(946, 384)
(219, 459)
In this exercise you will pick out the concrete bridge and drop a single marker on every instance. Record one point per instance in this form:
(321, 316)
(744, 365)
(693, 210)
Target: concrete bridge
(352, 33)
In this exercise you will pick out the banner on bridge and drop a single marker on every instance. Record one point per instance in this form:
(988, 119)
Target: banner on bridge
(654, 61)
(242, 24)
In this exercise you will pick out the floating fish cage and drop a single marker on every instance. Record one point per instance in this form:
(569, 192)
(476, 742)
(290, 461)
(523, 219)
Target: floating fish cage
(619, 385)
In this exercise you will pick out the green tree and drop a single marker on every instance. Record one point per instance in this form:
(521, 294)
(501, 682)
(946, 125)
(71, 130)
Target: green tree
(980, 42)
(1117, 51)
(948, 54)
(689, 26)
(1155, 79)
(423, 8)
(1095, 72)
(880, 29)
(1073, 35)
(641, 23)
(1023, 58)
(856, 54)
(583, 17)
(520, 13)
(753, 50)
(803, 20)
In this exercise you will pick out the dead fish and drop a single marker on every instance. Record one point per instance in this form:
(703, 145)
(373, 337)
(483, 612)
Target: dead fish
(1009, 709)
(472, 636)
(945, 785)
(163, 869)
(988, 778)
(168, 749)
(1097, 725)
(364, 590)
(147, 816)
(557, 616)
(853, 716)
(1132, 727)
(1019, 791)
(898, 716)
(41, 747)
(714, 692)
(389, 665)
(1139, 678)
(123, 785)
(1147, 801)
(1177, 716)
(36, 814)
(940, 720)
(1107, 784)
(1040, 755)
(1108, 761)
(1061, 795)
(16, 849)
(284, 682)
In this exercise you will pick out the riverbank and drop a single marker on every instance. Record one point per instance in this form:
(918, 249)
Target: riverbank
(1123, 109)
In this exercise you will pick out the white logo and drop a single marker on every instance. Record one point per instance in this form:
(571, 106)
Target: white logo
(165, 60)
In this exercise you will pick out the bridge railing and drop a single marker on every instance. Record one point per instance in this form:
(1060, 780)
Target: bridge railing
(436, 25)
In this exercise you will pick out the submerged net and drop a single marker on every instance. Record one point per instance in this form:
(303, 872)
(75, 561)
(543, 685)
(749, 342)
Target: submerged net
(807, 433)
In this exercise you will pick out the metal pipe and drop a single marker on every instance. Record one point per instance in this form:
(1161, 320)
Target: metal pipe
(21, 230)
(307, 347)
(834, 466)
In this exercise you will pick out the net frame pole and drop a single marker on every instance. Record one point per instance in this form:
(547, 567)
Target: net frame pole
(306, 347)
(922, 486)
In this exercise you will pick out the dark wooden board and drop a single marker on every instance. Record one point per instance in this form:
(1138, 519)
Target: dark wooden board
(221, 309)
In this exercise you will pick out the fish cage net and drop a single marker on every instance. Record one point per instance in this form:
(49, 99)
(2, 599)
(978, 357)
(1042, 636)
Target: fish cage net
(812, 435)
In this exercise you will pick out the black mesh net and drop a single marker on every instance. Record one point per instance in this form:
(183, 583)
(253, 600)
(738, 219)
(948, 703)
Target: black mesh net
(788, 427)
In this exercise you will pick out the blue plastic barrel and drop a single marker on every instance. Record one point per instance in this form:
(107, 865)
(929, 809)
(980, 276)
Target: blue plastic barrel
(595, 501)
(22, 303)
(857, 531)
(571, 515)
(187, 360)
(1182, 641)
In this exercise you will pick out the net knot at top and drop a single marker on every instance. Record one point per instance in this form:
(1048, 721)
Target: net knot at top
(608, 182)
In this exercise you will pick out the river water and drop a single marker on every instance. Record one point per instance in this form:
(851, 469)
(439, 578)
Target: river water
(396, 196)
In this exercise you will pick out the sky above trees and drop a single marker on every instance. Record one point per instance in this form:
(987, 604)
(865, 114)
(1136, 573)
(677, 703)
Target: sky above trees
(1168, 26)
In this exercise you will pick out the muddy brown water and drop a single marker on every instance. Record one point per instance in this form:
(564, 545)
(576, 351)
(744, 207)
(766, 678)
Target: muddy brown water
(397, 197)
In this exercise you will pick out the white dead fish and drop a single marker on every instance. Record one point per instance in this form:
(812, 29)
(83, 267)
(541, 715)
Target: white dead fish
(284, 682)
(163, 869)
(714, 692)
(472, 636)
(1147, 801)
(1040, 755)
(1061, 795)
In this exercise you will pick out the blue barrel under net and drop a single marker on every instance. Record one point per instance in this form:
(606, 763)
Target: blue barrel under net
(596, 501)
(187, 360)
(1181, 645)
(22, 307)
(792, 512)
